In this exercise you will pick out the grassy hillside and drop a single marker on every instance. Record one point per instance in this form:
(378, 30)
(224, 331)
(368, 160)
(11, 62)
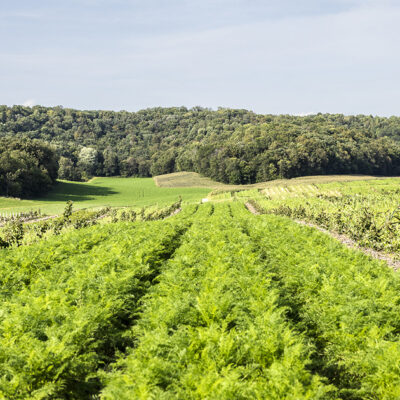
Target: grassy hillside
(100, 192)
(193, 179)
(187, 179)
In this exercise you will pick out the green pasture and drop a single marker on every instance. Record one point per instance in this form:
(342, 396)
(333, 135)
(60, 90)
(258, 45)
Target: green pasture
(101, 192)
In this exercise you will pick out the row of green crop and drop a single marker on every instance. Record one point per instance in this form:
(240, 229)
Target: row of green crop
(16, 233)
(371, 218)
(347, 304)
(212, 329)
(24, 216)
(211, 303)
(66, 305)
(149, 214)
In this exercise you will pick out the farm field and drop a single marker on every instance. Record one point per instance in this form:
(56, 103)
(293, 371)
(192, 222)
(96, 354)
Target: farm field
(366, 211)
(175, 300)
(140, 192)
(102, 192)
(200, 200)
(193, 179)
(213, 302)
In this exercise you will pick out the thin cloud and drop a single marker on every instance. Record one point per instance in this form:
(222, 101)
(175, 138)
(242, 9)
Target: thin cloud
(304, 114)
(29, 103)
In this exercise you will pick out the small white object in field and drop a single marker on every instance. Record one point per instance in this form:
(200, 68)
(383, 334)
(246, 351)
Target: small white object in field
(204, 200)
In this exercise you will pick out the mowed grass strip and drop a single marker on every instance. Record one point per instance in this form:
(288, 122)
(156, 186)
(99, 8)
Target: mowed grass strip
(193, 179)
(101, 192)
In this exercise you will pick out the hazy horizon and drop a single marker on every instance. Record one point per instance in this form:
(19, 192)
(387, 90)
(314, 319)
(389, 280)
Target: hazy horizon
(204, 107)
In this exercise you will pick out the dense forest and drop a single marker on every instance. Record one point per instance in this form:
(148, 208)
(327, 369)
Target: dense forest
(27, 167)
(233, 146)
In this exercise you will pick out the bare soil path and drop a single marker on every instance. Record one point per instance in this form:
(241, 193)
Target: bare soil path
(252, 209)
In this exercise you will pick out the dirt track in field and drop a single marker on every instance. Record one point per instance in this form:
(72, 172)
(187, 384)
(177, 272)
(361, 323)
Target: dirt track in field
(252, 209)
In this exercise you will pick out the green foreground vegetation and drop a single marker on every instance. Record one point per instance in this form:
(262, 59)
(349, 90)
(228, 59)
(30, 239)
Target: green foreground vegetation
(367, 211)
(182, 300)
(103, 192)
(213, 302)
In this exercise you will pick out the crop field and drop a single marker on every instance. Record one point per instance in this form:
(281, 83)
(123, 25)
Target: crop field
(193, 179)
(102, 192)
(141, 192)
(366, 211)
(172, 300)
(187, 179)
(213, 302)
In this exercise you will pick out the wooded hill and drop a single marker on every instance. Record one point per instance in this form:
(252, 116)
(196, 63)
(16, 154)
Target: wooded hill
(232, 146)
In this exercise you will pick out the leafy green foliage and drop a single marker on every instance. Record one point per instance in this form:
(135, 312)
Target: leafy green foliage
(145, 214)
(212, 327)
(27, 167)
(15, 233)
(367, 212)
(235, 146)
(348, 305)
(23, 216)
(211, 303)
(68, 210)
(68, 321)
(12, 233)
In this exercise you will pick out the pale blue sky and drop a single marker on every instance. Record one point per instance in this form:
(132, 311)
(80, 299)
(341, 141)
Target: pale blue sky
(283, 56)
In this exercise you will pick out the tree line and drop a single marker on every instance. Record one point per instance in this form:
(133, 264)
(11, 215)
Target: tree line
(232, 146)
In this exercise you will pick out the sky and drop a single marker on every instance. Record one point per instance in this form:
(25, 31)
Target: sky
(272, 57)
